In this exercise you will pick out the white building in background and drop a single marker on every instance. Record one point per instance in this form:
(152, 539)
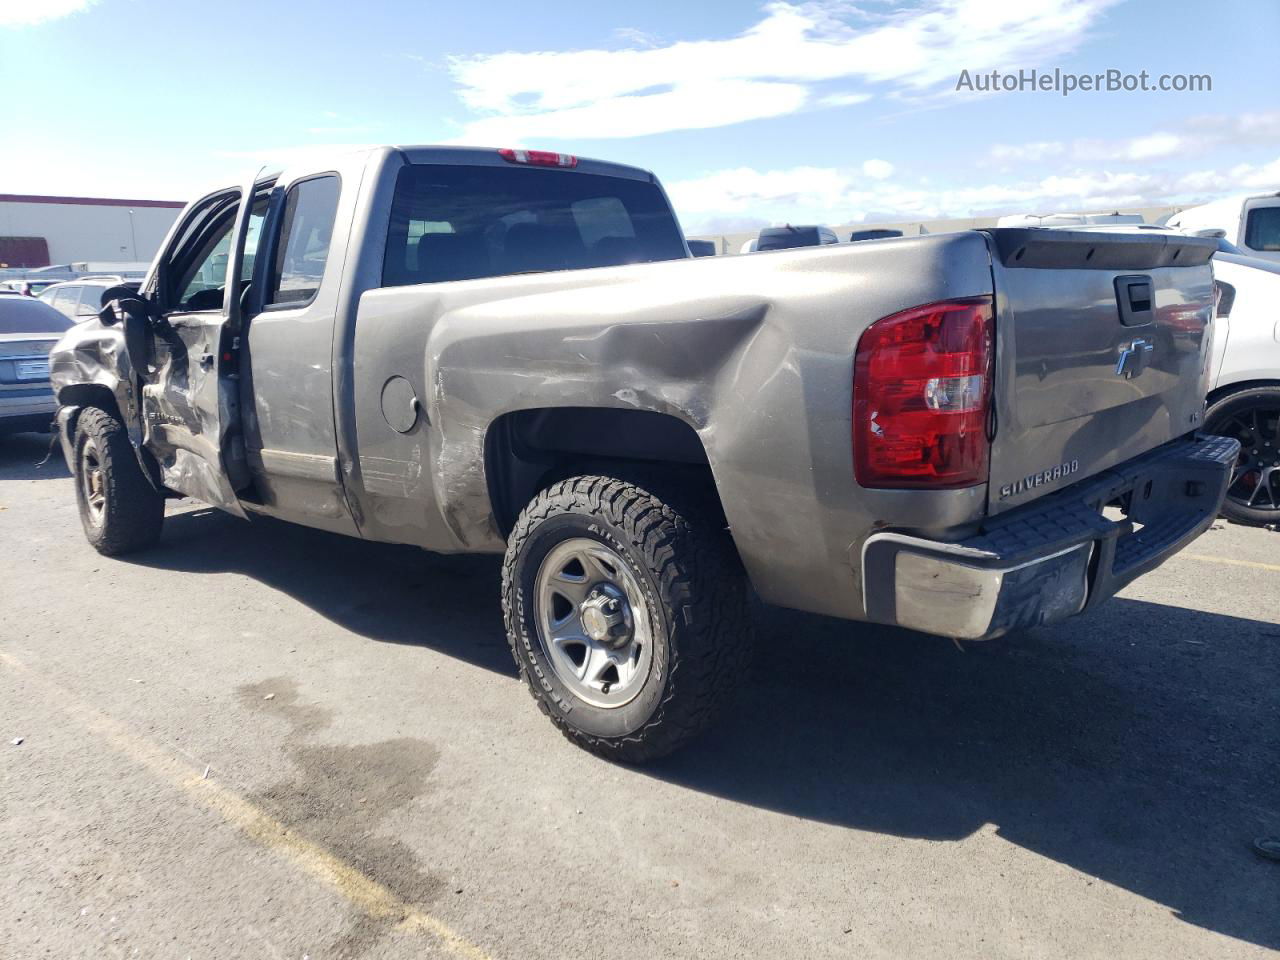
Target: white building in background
(36, 231)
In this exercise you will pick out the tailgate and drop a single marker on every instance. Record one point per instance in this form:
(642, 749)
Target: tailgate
(1100, 352)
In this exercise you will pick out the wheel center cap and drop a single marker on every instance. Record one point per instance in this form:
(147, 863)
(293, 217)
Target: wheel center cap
(595, 623)
(606, 618)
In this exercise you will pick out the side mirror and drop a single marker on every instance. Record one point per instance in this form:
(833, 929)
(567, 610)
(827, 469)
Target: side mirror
(119, 301)
(108, 315)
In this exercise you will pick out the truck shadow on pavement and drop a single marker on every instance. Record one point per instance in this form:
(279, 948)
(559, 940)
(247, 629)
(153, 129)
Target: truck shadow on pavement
(21, 455)
(386, 592)
(1137, 745)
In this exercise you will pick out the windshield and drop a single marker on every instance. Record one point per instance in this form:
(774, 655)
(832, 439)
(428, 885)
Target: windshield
(26, 315)
(464, 222)
(787, 238)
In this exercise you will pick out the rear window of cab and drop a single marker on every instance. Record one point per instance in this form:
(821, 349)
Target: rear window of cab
(467, 222)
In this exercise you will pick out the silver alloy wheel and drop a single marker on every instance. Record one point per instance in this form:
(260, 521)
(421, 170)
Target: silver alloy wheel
(593, 624)
(91, 481)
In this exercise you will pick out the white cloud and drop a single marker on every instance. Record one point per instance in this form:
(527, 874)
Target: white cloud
(774, 64)
(1199, 134)
(28, 13)
(831, 195)
(843, 99)
(684, 108)
(1241, 128)
(1155, 145)
(877, 169)
(747, 190)
(1027, 152)
(636, 37)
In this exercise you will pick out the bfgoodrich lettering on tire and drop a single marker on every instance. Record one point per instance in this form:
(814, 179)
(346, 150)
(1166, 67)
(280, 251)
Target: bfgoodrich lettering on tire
(626, 612)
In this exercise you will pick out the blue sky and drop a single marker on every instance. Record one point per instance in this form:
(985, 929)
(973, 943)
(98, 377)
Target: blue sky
(750, 112)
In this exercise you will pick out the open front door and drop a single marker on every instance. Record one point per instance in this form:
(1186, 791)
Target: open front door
(190, 401)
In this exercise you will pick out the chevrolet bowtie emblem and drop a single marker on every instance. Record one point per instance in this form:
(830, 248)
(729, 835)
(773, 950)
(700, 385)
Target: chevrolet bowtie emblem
(1133, 358)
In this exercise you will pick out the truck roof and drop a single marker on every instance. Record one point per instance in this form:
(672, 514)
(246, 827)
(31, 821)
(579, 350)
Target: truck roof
(427, 153)
(489, 156)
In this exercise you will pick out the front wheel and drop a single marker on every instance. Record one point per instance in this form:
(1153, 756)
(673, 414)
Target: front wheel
(1253, 417)
(627, 615)
(119, 508)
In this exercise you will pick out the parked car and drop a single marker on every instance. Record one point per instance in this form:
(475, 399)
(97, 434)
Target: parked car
(511, 351)
(78, 299)
(28, 330)
(859, 235)
(1244, 394)
(34, 287)
(1252, 222)
(702, 248)
(788, 237)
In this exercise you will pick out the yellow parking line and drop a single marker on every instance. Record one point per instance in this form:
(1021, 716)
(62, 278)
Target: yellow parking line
(1231, 561)
(362, 891)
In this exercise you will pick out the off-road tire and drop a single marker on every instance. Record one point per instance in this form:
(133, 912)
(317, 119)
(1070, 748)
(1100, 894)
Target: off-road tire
(132, 511)
(1216, 421)
(696, 594)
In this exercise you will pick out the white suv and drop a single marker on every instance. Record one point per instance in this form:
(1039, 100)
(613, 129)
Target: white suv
(80, 299)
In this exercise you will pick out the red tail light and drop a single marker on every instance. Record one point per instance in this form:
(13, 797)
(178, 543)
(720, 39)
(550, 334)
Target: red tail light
(921, 394)
(538, 158)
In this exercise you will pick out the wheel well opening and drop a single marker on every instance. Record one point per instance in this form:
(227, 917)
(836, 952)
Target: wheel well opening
(1220, 392)
(529, 450)
(86, 395)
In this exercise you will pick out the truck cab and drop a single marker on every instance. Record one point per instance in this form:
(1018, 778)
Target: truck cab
(244, 326)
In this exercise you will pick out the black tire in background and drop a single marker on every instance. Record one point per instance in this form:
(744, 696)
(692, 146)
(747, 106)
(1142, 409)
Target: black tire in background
(1251, 416)
(119, 508)
(692, 598)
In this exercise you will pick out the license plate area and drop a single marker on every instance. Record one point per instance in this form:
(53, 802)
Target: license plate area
(1121, 508)
(36, 369)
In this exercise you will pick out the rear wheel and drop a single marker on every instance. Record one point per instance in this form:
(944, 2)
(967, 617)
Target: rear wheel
(119, 508)
(626, 612)
(1253, 417)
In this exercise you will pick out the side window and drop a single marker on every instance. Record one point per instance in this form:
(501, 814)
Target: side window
(65, 300)
(90, 301)
(253, 237)
(419, 229)
(198, 263)
(208, 274)
(602, 218)
(306, 229)
(1262, 229)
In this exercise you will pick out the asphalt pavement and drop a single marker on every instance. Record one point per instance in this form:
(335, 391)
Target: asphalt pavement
(261, 741)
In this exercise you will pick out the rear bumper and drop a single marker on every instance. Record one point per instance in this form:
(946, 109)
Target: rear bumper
(28, 408)
(1055, 557)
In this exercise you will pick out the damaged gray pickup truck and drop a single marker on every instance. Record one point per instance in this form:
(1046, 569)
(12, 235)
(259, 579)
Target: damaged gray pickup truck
(483, 351)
